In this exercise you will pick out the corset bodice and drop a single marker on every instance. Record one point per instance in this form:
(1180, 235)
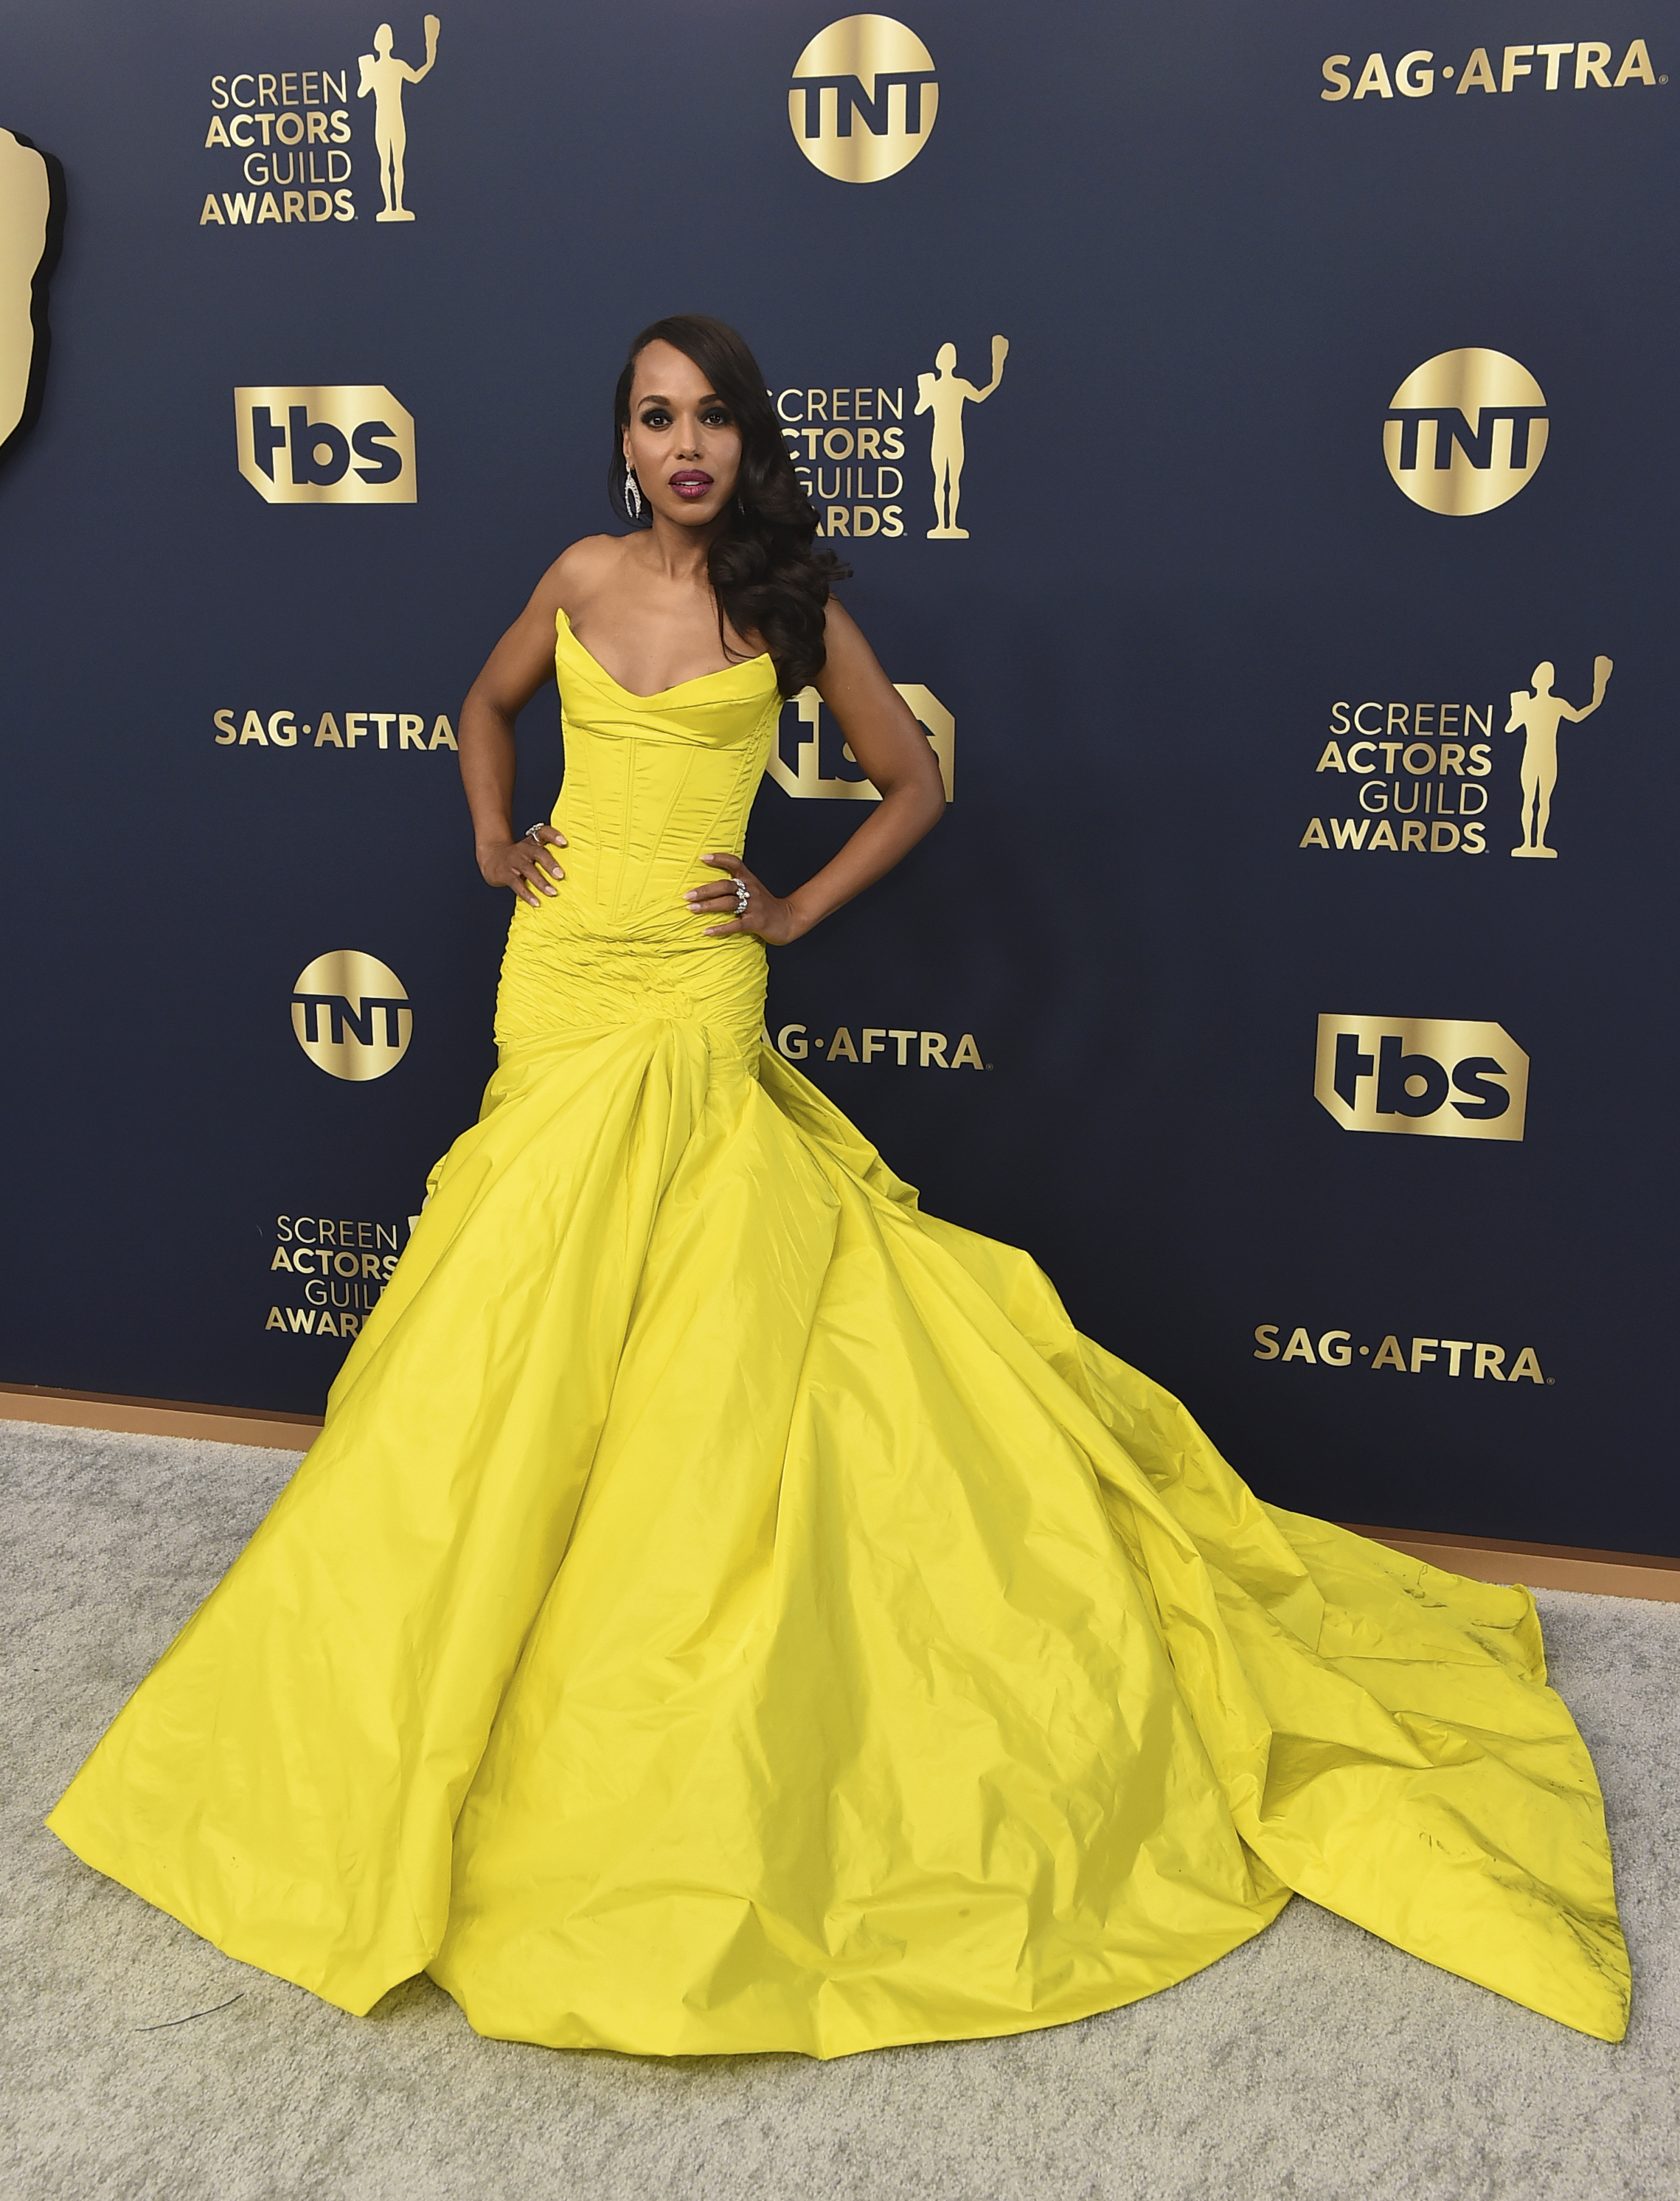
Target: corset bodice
(653, 784)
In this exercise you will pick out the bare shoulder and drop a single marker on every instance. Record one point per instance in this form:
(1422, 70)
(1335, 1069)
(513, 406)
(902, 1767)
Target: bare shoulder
(581, 569)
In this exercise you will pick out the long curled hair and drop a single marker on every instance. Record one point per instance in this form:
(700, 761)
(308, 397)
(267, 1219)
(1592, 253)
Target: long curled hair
(763, 573)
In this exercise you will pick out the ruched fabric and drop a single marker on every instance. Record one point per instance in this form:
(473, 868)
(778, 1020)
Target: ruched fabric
(728, 1610)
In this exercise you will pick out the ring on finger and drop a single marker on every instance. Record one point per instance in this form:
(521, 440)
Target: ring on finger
(743, 895)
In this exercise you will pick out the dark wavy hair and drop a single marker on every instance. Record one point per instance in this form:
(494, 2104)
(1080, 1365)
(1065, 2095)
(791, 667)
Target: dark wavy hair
(763, 573)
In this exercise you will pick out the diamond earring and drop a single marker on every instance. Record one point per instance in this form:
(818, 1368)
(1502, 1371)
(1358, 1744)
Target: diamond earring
(632, 493)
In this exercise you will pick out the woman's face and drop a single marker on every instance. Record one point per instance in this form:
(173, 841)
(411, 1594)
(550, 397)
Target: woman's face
(682, 440)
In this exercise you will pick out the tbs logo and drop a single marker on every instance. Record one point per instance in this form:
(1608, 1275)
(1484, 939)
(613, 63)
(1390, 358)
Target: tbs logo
(351, 444)
(1422, 1074)
(811, 757)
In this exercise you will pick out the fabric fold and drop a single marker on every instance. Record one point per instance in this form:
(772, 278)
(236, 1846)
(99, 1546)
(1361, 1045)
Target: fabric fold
(728, 1610)
(783, 1631)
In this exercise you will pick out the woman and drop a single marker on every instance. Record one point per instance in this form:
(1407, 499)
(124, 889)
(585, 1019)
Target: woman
(727, 1609)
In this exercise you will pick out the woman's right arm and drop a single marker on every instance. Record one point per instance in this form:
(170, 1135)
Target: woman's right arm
(515, 669)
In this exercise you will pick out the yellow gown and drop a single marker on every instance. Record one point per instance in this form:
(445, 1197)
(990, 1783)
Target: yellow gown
(727, 1609)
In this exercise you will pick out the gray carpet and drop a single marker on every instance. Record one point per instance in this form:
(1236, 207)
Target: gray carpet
(1316, 2063)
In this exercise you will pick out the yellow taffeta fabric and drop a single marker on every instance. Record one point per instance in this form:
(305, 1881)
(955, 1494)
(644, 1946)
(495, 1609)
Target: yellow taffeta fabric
(727, 1609)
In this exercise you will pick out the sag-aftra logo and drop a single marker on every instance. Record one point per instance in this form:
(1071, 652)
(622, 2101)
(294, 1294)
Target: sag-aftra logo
(1436, 1076)
(1449, 1356)
(341, 444)
(899, 1046)
(1590, 67)
(395, 731)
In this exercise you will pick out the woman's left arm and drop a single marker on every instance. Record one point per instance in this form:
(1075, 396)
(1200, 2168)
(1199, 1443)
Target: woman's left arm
(882, 733)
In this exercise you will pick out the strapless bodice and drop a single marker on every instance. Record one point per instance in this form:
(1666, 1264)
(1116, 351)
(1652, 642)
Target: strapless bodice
(653, 784)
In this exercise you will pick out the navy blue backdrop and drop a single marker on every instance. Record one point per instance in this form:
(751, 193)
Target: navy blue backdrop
(1217, 251)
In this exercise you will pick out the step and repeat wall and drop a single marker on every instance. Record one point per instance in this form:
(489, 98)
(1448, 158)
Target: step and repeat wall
(1248, 431)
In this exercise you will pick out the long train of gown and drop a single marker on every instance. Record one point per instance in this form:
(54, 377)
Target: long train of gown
(727, 1609)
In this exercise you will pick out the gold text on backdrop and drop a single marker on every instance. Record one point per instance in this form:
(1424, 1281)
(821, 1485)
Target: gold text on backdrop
(1530, 69)
(1415, 772)
(837, 437)
(1465, 430)
(1402, 1073)
(902, 1046)
(326, 443)
(351, 1014)
(343, 1263)
(867, 69)
(286, 131)
(807, 761)
(398, 731)
(1438, 1356)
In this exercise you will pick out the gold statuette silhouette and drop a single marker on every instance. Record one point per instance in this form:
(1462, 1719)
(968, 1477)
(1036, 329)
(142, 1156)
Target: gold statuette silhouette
(384, 75)
(32, 224)
(1538, 714)
(943, 394)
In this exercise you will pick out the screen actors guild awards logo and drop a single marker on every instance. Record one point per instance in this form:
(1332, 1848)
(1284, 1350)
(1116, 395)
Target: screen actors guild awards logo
(1538, 713)
(867, 69)
(351, 1015)
(1445, 1079)
(342, 443)
(1465, 432)
(943, 393)
(847, 440)
(384, 75)
(32, 224)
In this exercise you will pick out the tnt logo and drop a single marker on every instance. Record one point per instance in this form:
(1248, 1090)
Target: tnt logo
(812, 759)
(1465, 430)
(1446, 1080)
(867, 69)
(351, 1015)
(351, 444)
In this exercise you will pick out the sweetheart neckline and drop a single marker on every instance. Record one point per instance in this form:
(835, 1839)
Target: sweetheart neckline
(654, 694)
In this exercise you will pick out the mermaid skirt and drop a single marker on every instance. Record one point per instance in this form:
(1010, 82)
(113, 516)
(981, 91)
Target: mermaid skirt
(727, 1609)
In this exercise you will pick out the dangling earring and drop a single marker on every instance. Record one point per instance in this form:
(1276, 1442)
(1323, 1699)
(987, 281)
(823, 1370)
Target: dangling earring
(632, 493)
